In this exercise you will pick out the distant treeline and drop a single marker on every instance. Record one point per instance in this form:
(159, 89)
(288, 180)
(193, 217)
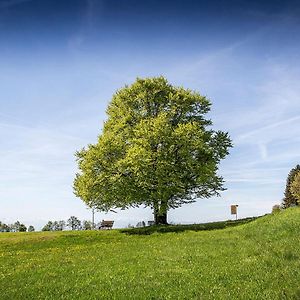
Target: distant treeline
(15, 227)
(72, 223)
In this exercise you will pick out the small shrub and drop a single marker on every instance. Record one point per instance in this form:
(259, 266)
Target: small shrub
(276, 209)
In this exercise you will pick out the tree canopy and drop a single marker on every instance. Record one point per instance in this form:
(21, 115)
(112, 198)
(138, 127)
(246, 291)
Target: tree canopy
(157, 149)
(74, 223)
(290, 199)
(295, 187)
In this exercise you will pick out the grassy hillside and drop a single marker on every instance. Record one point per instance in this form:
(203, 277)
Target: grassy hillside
(257, 260)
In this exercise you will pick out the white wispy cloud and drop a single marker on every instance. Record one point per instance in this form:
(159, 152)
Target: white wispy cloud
(37, 169)
(271, 126)
(264, 124)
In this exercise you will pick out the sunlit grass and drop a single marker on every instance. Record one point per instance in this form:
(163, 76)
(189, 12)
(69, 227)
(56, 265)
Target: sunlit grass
(258, 260)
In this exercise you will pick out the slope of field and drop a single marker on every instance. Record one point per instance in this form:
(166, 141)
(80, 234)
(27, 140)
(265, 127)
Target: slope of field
(257, 260)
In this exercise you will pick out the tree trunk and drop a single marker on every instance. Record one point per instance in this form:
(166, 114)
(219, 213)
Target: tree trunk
(155, 213)
(160, 218)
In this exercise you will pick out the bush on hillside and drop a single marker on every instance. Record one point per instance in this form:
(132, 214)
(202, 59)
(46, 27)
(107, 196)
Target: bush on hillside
(275, 209)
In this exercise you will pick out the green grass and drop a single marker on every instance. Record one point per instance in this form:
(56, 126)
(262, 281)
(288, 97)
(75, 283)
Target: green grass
(257, 260)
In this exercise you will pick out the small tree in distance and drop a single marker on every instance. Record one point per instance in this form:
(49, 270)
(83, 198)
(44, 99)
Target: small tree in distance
(59, 225)
(22, 228)
(156, 149)
(48, 226)
(31, 228)
(87, 225)
(74, 223)
(5, 228)
(15, 227)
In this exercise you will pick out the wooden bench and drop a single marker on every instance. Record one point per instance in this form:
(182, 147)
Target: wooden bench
(106, 224)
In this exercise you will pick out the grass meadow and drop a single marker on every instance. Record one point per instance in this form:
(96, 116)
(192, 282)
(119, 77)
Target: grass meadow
(256, 260)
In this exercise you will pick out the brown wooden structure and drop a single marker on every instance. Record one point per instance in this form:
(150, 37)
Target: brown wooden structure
(106, 224)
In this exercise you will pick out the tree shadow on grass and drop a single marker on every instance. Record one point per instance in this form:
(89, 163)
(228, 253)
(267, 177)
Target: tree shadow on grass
(181, 228)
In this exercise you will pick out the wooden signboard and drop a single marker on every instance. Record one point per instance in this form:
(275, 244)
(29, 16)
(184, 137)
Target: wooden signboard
(233, 209)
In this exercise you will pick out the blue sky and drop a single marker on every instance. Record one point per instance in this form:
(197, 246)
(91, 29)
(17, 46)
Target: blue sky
(61, 61)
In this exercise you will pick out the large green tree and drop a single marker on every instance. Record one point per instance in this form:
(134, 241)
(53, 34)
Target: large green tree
(157, 149)
(290, 199)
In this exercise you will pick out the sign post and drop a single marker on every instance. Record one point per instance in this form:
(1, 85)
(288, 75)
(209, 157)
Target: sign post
(234, 210)
(93, 218)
